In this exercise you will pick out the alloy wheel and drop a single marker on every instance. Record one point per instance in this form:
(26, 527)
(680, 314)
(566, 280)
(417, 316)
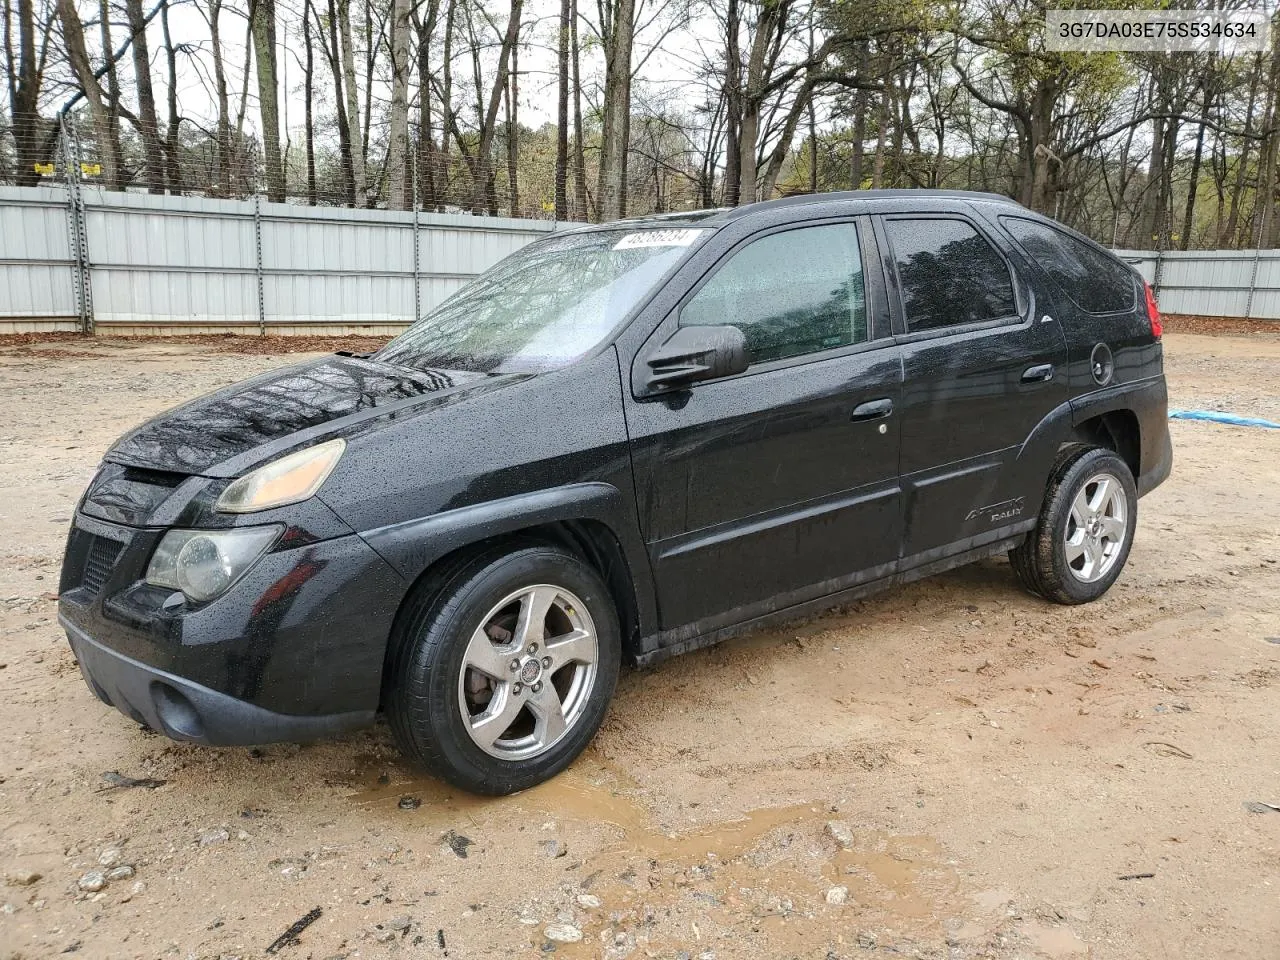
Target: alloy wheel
(528, 672)
(1096, 528)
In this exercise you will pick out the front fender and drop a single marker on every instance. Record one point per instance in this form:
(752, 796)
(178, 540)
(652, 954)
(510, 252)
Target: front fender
(411, 547)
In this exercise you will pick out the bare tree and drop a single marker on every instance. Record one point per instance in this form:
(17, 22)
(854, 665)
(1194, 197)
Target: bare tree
(148, 125)
(617, 28)
(262, 18)
(562, 111)
(308, 95)
(100, 111)
(173, 165)
(25, 74)
(400, 185)
(355, 139)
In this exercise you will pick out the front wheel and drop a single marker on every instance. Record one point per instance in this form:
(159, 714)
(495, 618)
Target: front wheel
(1082, 539)
(504, 672)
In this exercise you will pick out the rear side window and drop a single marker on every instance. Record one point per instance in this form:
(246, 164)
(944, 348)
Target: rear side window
(790, 293)
(1096, 282)
(949, 274)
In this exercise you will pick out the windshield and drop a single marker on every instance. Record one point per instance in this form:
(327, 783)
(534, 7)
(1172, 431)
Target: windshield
(543, 307)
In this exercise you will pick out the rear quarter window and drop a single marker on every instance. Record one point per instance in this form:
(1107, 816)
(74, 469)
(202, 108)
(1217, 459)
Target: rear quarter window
(1095, 281)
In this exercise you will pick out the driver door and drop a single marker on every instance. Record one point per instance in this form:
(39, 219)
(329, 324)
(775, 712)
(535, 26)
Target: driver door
(780, 484)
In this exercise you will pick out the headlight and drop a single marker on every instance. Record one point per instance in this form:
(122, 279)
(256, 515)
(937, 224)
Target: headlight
(203, 564)
(290, 479)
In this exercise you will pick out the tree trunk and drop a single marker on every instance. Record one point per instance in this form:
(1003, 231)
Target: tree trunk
(1153, 220)
(24, 95)
(856, 163)
(882, 132)
(244, 183)
(484, 196)
(345, 152)
(262, 16)
(447, 117)
(148, 125)
(813, 149)
(172, 158)
(562, 113)
(100, 114)
(782, 149)
(398, 150)
(308, 95)
(426, 137)
(733, 104)
(579, 158)
(1042, 158)
(513, 134)
(1269, 225)
(1227, 237)
(1188, 217)
(113, 94)
(222, 183)
(616, 115)
(355, 140)
(372, 188)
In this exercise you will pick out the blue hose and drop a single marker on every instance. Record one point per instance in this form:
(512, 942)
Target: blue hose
(1216, 417)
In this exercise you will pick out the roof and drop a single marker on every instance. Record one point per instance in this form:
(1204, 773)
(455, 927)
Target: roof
(720, 215)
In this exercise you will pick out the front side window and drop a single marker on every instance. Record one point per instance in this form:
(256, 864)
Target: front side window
(790, 293)
(544, 306)
(1096, 282)
(949, 274)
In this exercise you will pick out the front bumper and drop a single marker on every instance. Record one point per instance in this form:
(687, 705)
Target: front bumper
(183, 710)
(293, 651)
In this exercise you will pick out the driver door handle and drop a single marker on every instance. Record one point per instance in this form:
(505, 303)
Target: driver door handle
(1041, 373)
(872, 409)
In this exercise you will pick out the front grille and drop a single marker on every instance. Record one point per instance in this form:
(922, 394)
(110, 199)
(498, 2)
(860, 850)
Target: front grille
(103, 553)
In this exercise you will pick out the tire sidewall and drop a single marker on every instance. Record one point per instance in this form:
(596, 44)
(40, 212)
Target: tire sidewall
(436, 662)
(1088, 465)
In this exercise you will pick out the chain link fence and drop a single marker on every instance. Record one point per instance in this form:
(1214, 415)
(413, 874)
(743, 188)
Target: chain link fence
(519, 178)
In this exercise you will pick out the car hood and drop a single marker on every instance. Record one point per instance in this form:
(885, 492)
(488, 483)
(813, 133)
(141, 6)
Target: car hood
(226, 432)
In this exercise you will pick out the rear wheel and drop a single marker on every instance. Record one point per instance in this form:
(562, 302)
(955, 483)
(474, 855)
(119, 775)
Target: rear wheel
(1085, 530)
(504, 672)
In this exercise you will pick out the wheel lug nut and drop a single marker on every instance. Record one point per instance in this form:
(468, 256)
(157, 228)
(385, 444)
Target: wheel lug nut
(537, 687)
(546, 661)
(515, 664)
(533, 648)
(517, 689)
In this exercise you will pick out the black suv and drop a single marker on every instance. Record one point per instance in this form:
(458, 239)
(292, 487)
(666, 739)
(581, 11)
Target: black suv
(622, 442)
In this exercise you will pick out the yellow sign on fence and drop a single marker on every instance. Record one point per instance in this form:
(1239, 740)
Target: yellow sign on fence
(91, 169)
(44, 169)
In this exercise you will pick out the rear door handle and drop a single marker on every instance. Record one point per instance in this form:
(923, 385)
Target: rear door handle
(1040, 373)
(872, 409)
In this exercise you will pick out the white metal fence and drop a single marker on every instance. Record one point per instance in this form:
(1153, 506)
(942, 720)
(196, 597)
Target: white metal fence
(1213, 283)
(77, 258)
(81, 259)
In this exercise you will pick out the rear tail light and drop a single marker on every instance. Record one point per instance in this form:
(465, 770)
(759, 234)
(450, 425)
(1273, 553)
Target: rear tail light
(1153, 312)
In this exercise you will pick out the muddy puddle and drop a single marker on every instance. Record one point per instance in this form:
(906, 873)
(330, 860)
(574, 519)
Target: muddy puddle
(768, 870)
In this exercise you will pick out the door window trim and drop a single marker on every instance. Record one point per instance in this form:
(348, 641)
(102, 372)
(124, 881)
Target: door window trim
(897, 305)
(878, 304)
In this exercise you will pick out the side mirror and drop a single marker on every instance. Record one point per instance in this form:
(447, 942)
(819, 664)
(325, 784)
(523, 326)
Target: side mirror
(697, 353)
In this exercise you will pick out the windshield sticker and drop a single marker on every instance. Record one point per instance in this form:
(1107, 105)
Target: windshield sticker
(658, 238)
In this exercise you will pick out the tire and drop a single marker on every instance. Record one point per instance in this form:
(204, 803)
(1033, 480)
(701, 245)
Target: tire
(442, 664)
(1084, 569)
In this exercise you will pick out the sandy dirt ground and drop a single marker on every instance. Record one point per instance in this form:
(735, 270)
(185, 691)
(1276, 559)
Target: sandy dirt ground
(972, 772)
